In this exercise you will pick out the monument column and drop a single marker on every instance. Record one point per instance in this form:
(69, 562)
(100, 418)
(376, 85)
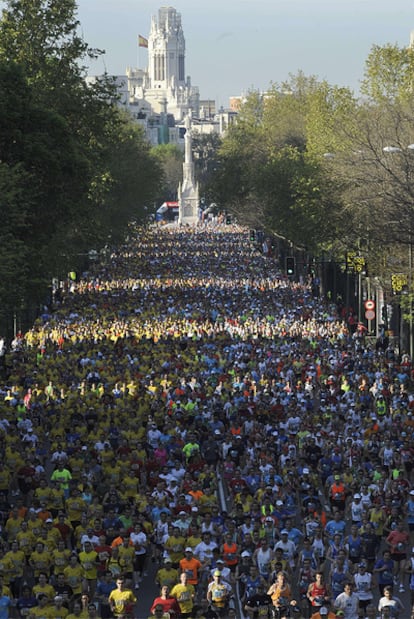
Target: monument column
(188, 194)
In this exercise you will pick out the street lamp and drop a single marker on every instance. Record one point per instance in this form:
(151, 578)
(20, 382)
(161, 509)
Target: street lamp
(393, 149)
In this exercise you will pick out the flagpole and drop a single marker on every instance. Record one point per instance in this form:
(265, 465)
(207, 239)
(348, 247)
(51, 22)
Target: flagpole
(138, 52)
(142, 42)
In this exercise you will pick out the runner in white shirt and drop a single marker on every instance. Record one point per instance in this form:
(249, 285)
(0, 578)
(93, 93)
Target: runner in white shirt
(363, 586)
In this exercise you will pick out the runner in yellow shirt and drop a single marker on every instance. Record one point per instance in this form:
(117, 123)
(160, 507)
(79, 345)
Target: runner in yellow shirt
(40, 561)
(42, 611)
(121, 600)
(89, 560)
(184, 594)
(43, 588)
(74, 575)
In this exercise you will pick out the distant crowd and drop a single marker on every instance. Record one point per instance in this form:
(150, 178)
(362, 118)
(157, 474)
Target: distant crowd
(186, 364)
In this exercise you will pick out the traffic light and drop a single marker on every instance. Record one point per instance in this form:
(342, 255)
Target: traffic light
(290, 265)
(228, 220)
(252, 235)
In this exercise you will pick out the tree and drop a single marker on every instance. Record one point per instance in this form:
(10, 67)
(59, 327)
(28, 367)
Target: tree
(87, 169)
(205, 151)
(330, 120)
(15, 255)
(42, 37)
(238, 156)
(132, 178)
(389, 74)
(170, 158)
(285, 111)
(373, 167)
(264, 162)
(37, 142)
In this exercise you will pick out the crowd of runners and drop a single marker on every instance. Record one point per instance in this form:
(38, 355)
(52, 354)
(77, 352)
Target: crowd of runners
(187, 411)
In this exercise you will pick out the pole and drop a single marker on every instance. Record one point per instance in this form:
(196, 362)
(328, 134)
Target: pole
(347, 300)
(368, 282)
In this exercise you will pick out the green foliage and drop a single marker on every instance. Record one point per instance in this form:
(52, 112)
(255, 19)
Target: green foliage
(14, 249)
(374, 169)
(170, 159)
(132, 175)
(330, 120)
(286, 108)
(42, 36)
(295, 195)
(39, 141)
(84, 169)
(267, 174)
(206, 161)
(312, 163)
(389, 74)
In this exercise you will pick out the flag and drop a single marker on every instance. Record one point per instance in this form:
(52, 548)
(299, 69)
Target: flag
(142, 41)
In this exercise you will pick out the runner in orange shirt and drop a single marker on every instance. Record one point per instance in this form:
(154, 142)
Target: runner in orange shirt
(191, 566)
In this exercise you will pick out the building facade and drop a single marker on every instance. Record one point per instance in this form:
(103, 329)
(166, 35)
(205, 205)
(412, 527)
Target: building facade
(161, 96)
(164, 85)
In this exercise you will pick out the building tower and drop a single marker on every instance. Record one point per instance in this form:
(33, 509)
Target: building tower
(165, 78)
(188, 195)
(166, 50)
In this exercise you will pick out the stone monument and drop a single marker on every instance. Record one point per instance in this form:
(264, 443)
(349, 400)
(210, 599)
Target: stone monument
(188, 195)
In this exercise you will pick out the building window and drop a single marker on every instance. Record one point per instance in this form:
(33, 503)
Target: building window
(181, 68)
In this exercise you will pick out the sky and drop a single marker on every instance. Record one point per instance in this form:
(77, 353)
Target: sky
(233, 46)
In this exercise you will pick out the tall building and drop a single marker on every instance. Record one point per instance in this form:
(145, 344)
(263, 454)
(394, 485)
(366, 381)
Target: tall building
(164, 85)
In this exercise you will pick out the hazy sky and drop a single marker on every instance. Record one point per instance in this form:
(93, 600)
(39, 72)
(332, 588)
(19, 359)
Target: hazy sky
(233, 46)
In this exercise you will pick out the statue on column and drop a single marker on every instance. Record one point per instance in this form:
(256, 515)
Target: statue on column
(188, 196)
